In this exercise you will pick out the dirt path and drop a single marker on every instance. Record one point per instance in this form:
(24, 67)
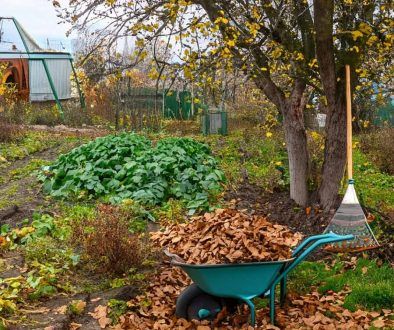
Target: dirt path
(54, 315)
(20, 192)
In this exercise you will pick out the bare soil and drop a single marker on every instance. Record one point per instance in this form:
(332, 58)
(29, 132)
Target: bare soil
(279, 208)
(24, 195)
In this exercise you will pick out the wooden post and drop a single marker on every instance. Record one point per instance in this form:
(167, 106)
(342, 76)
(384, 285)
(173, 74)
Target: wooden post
(349, 125)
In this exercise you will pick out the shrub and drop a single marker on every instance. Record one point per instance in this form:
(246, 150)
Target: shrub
(44, 116)
(108, 243)
(379, 147)
(9, 132)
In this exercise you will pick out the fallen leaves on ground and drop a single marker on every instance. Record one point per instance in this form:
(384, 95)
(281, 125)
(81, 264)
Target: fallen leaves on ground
(232, 236)
(320, 312)
(156, 308)
(100, 314)
(228, 236)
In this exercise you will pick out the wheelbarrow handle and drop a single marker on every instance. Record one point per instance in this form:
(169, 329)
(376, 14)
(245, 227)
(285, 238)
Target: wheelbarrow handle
(314, 238)
(174, 257)
(310, 244)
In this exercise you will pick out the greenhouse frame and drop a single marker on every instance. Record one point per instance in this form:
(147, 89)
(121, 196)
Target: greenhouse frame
(39, 75)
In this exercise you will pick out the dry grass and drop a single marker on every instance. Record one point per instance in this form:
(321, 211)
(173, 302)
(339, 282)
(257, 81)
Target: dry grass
(9, 132)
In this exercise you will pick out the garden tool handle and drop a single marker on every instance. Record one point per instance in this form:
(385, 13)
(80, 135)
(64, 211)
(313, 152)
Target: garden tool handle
(312, 239)
(306, 242)
(310, 244)
(349, 143)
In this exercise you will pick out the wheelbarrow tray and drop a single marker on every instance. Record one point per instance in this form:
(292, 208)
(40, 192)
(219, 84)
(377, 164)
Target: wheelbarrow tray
(240, 281)
(246, 281)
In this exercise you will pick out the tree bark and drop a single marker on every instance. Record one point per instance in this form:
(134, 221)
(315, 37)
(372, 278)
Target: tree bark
(334, 154)
(292, 109)
(296, 143)
(335, 145)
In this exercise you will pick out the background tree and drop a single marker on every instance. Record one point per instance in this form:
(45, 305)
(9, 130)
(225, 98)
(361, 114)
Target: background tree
(284, 46)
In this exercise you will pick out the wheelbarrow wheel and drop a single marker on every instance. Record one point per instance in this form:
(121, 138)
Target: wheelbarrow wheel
(195, 304)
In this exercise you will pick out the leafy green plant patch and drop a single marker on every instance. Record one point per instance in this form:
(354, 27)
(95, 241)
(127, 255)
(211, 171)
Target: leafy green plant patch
(127, 166)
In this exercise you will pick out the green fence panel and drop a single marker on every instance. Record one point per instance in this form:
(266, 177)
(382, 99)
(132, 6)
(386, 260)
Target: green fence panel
(214, 122)
(178, 105)
(171, 107)
(385, 115)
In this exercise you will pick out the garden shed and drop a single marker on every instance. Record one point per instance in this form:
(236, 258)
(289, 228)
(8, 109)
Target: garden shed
(39, 75)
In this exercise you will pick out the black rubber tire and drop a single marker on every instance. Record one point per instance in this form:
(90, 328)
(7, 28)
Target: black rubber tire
(184, 299)
(203, 301)
(192, 299)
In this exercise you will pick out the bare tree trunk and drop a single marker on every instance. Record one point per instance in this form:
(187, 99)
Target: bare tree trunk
(296, 142)
(335, 146)
(292, 109)
(334, 155)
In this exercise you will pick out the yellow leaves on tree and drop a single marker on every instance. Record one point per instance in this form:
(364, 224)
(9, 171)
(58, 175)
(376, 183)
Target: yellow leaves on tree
(300, 57)
(221, 20)
(256, 13)
(230, 43)
(354, 49)
(356, 34)
(253, 28)
(276, 53)
(187, 73)
(313, 63)
(365, 28)
(153, 74)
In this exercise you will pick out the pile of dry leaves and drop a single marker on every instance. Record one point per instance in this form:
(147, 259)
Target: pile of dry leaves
(228, 236)
(155, 310)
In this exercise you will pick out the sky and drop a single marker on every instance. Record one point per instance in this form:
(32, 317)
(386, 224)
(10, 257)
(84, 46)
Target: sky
(38, 17)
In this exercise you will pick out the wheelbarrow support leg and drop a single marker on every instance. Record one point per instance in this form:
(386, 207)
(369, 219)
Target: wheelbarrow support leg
(283, 288)
(272, 305)
(300, 253)
(252, 311)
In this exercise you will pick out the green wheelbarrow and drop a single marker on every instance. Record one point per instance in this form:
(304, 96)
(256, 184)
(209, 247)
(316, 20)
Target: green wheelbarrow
(217, 286)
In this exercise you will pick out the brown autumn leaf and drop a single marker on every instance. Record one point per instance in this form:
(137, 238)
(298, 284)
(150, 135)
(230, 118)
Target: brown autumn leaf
(100, 314)
(346, 313)
(370, 217)
(374, 314)
(61, 309)
(75, 326)
(308, 210)
(298, 302)
(378, 323)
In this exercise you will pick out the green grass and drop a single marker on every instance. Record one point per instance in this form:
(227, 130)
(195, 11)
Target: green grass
(33, 142)
(30, 143)
(374, 188)
(372, 285)
(7, 197)
(21, 172)
(254, 154)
